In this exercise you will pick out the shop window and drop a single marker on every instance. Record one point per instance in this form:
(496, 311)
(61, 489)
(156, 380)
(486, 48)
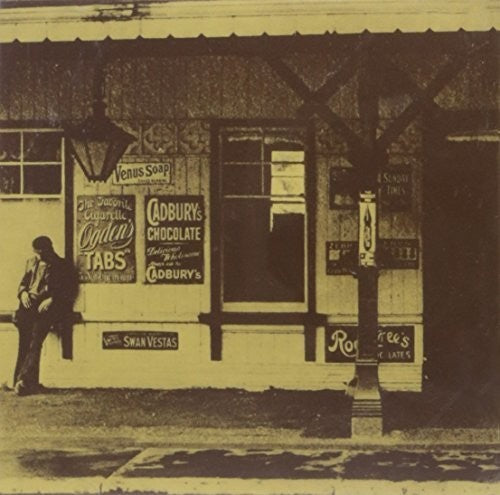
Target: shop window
(263, 216)
(31, 163)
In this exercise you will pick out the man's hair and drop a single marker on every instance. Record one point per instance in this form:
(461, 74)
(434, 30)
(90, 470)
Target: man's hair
(42, 243)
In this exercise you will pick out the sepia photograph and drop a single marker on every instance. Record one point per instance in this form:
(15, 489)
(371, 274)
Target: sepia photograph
(249, 247)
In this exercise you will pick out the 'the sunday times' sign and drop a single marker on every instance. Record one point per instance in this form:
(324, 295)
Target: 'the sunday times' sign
(174, 239)
(156, 341)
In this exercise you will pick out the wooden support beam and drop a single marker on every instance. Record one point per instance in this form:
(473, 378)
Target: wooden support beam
(315, 104)
(216, 247)
(423, 97)
(341, 76)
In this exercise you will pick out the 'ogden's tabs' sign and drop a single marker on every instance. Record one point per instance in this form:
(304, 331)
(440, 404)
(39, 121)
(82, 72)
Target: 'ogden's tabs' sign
(174, 239)
(105, 238)
(159, 341)
(396, 344)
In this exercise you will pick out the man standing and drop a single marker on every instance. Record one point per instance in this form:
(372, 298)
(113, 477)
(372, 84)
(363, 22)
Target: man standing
(46, 294)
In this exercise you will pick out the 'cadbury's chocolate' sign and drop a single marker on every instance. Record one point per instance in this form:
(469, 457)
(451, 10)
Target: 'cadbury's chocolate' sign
(174, 239)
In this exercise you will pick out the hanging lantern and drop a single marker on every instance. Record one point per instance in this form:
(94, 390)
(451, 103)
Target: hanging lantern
(98, 144)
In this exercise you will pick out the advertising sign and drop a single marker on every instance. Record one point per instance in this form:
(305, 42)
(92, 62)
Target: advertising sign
(392, 254)
(143, 170)
(141, 340)
(343, 189)
(105, 239)
(367, 229)
(396, 188)
(341, 257)
(174, 239)
(397, 254)
(396, 344)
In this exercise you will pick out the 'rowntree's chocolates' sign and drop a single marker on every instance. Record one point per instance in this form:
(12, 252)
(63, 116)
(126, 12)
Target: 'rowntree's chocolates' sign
(105, 239)
(156, 341)
(396, 344)
(174, 239)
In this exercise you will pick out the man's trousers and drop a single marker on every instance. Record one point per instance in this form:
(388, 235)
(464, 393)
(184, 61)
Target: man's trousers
(33, 328)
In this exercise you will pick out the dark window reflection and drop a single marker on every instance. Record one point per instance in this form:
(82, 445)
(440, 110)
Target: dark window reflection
(242, 179)
(10, 182)
(42, 179)
(263, 251)
(10, 147)
(241, 149)
(42, 147)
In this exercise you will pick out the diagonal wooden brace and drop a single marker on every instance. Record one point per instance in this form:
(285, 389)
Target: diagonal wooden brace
(424, 97)
(314, 104)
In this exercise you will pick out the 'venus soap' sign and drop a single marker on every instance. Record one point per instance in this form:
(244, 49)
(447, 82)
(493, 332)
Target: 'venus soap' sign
(174, 239)
(146, 171)
(105, 239)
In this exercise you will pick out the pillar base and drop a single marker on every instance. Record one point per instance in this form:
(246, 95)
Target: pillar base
(365, 427)
(366, 420)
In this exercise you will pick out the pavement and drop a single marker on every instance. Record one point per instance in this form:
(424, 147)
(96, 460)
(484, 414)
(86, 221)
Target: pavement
(220, 455)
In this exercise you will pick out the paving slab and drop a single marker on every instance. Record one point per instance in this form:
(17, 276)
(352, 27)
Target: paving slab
(284, 471)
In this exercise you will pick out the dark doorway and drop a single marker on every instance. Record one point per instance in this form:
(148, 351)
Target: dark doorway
(460, 259)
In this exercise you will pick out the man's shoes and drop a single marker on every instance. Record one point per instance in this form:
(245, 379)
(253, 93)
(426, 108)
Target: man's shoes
(21, 389)
(5, 388)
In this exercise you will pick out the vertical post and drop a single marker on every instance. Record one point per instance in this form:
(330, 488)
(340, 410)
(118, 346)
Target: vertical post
(366, 417)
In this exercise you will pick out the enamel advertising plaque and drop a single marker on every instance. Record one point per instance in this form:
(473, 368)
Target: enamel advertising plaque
(174, 239)
(105, 239)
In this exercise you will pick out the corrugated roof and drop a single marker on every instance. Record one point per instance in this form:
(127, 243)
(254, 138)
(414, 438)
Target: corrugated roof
(57, 20)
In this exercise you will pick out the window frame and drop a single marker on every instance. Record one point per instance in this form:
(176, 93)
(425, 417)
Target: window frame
(22, 163)
(280, 128)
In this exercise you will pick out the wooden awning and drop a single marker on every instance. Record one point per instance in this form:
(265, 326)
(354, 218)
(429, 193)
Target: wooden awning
(64, 20)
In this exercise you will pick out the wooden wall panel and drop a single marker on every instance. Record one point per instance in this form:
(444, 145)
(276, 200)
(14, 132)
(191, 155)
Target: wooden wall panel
(129, 89)
(26, 89)
(182, 89)
(313, 68)
(168, 94)
(114, 89)
(254, 89)
(234, 87)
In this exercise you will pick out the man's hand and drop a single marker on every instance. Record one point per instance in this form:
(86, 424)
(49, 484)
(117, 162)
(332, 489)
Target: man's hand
(25, 300)
(45, 305)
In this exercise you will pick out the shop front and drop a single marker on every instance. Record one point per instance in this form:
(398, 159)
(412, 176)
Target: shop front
(224, 248)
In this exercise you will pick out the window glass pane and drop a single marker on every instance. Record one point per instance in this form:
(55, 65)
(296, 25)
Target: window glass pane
(10, 179)
(287, 156)
(282, 186)
(10, 147)
(288, 170)
(241, 149)
(242, 179)
(42, 179)
(263, 251)
(42, 147)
